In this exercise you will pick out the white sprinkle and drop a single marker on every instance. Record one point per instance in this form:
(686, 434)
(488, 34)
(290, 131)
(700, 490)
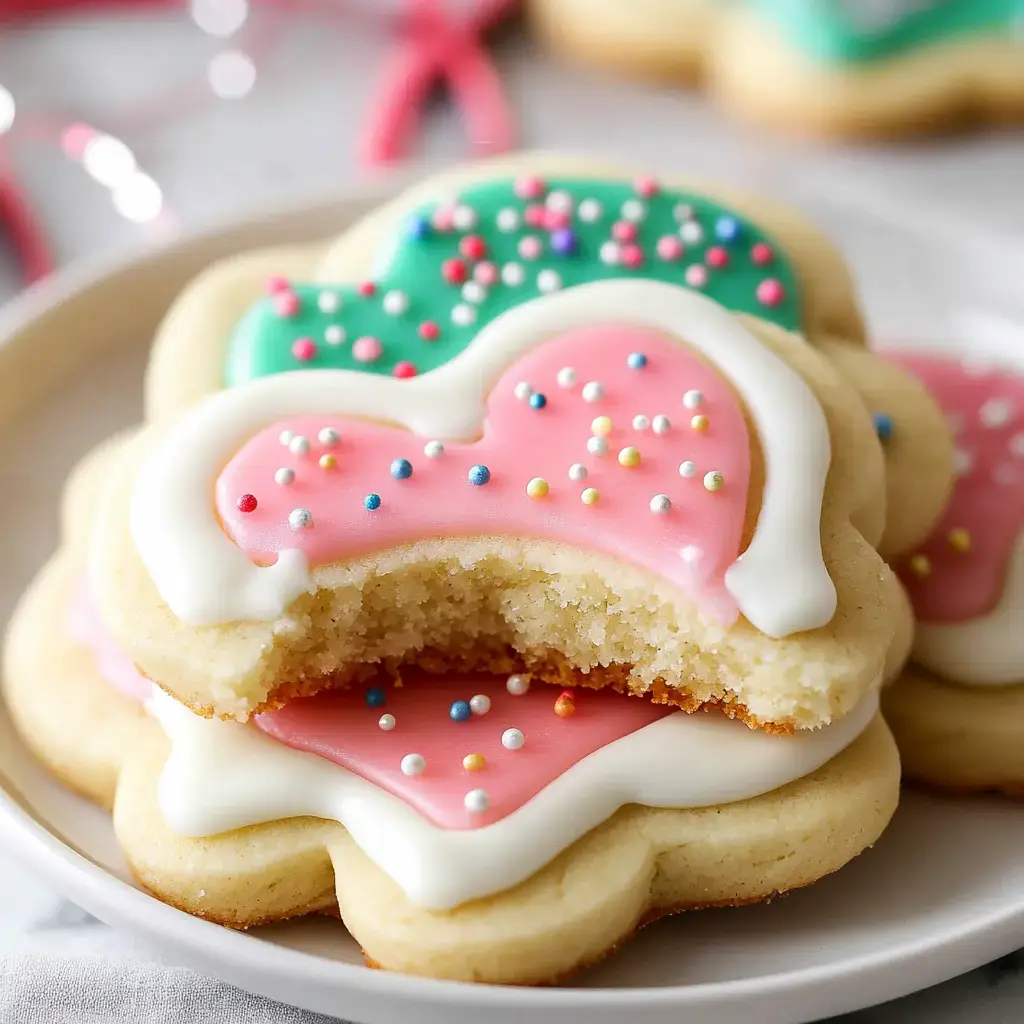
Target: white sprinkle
(285, 437)
(682, 212)
(473, 291)
(284, 476)
(1005, 475)
(328, 302)
(517, 685)
(963, 462)
(566, 377)
(522, 391)
(464, 217)
(334, 335)
(299, 445)
(634, 210)
(300, 518)
(641, 422)
(463, 315)
(507, 220)
(512, 739)
(395, 302)
(691, 232)
(661, 424)
(687, 469)
(996, 412)
(477, 801)
(660, 504)
(693, 399)
(590, 210)
(413, 764)
(597, 446)
(433, 449)
(559, 200)
(593, 391)
(386, 722)
(609, 253)
(328, 436)
(1017, 445)
(577, 471)
(691, 554)
(513, 274)
(549, 281)
(480, 704)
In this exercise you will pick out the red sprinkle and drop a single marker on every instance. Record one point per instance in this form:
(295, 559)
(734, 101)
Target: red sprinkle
(646, 186)
(247, 503)
(632, 256)
(761, 253)
(454, 271)
(429, 331)
(624, 231)
(770, 292)
(567, 695)
(286, 304)
(304, 349)
(276, 283)
(404, 370)
(534, 215)
(367, 288)
(716, 257)
(473, 247)
(555, 220)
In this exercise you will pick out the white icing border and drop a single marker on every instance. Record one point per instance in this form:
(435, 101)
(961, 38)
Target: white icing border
(780, 583)
(223, 775)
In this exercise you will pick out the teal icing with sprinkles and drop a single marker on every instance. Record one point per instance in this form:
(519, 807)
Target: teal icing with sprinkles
(454, 266)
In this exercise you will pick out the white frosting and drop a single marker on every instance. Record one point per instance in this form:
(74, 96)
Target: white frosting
(223, 775)
(780, 583)
(986, 651)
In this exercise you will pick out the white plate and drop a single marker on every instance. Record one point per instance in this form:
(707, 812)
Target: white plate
(943, 891)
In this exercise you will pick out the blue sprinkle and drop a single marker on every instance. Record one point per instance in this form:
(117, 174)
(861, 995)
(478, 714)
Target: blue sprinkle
(419, 228)
(636, 360)
(563, 241)
(479, 475)
(401, 469)
(537, 400)
(728, 229)
(372, 502)
(883, 425)
(460, 711)
(375, 698)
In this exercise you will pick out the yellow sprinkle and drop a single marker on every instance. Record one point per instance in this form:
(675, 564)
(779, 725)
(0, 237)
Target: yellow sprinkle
(713, 481)
(699, 422)
(473, 762)
(589, 496)
(921, 565)
(601, 426)
(328, 462)
(537, 487)
(960, 540)
(629, 457)
(564, 707)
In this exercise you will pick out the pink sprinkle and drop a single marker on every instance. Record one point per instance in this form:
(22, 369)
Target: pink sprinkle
(632, 256)
(486, 274)
(696, 276)
(716, 257)
(404, 369)
(529, 187)
(304, 349)
(276, 283)
(429, 331)
(534, 215)
(670, 248)
(761, 253)
(646, 186)
(770, 292)
(286, 304)
(443, 219)
(530, 247)
(367, 288)
(473, 247)
(556, 220)
(624, 231)
(366, 349)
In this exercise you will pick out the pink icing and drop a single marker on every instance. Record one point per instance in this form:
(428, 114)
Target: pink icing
(985, 410)
(692, 544)
(86, 627)
(340, 727)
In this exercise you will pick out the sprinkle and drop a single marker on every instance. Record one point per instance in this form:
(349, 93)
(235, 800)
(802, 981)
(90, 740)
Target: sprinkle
(565, 707)
(334, 335)
(375, 697)
(597, 446)
(566, 377)
(669, 248)
(477, 801)
(507, 220)
(609, 253)
(761, 253)
(636, 360)
(921, 566)
(276, 283)
(632, 256)
(460, 711)
(429, 331)
(563, 242)
(549, 281)
(601, 426)
(299, 445)
(512, 739)
(883, 425)
(413, 764)
(537, 487)
(661, 424)
(386, 722)
(371, 502)
(716, 257)
(646, 186)
(691, 554)
(537, 400)
(693, 399)
(660, 504)
(463, 315)
(328, 461)
(401, 469)
(473, 247)
(367, 289)
(629, 457)
(395, 302)
(404, 370)
(530, 247)
(699, 422)
(996, 412)
(433, 449)
(464, 217)
(687, 469)
(696, 276)
(555, 220)
(285, 437)
(300, 518)
(770, 292)
(517, 685)
(246, 503)
(593, 391)
(480, 704)
(559, 200)
(523, 390)
(286, 304)
(474, 762)
(633, 210)
(284, 477)
(960, 540)
(473, 291)
(691, 232)
(535, 215)
(713, 480)
(304, 349)
(641, 422)
(682, 212)
(454, 271)
(479, 475)
(442, 219)
(590, 210)
(577, 471)
(513, 274)
(418, 228)
(623, 231)
(590, 496)
(529, 187)
(486, 274)
(328, 436)
(728, 229)
(367, 349)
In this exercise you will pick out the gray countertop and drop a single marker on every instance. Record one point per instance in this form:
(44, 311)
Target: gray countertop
(293, 135)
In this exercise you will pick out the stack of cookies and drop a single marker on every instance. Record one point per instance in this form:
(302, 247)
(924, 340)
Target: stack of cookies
(503, 575)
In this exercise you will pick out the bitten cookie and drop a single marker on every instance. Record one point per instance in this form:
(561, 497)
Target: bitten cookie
(958, 709)
(849, 68)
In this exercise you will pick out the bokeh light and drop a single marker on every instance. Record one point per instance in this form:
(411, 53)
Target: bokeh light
(108, 160)
(7, 110)
(138, 198)
(232, 75)
(219, 17)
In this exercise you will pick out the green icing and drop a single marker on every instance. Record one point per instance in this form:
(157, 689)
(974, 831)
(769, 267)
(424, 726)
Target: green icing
(854, 31)
(745, 271)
